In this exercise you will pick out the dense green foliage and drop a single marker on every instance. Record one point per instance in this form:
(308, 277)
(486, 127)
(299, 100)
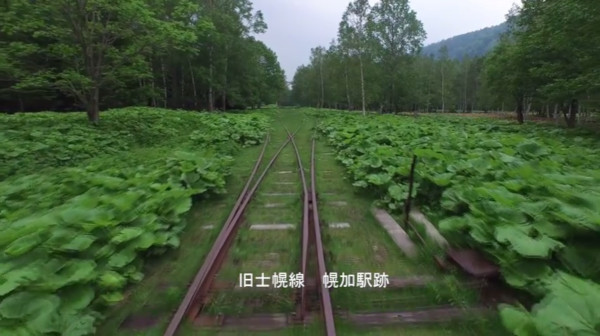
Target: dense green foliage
(41, 140)
(473, 44)
(76, 232)
(98, 54)
(570, 308)
(528, 197)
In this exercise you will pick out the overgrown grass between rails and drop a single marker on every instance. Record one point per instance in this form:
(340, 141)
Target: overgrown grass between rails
(269, 251)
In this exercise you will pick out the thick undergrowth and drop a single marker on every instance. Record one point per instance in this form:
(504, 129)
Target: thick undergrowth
(82, 207)
(529, 197)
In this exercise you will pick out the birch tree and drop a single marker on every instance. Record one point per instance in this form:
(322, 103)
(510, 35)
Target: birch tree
(352, 35)
(397, 34)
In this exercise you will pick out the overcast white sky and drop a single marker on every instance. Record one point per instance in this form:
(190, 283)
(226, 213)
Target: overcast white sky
(296, 26)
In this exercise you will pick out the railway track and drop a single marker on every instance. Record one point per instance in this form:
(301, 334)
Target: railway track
(198, 290)
(311, 216)
(312, 266)
(195, 298)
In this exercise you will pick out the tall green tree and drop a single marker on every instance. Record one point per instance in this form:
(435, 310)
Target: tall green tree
(352, 35)
(397, 34)
(563, 37)
(317, 55)
(517, 82)
(268, 79)
(549, 55)
(97, 54)
(444, 60)
(91, 40)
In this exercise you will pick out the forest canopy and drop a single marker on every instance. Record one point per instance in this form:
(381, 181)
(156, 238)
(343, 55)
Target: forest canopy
(99, 54)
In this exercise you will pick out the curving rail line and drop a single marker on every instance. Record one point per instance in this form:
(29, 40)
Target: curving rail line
(325, 297)
(311, 216)
(194, 299)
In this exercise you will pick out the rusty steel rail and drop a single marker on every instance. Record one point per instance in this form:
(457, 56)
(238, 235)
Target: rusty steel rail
(301, 295)
(311, 208)
(192, 302)
(326, 306)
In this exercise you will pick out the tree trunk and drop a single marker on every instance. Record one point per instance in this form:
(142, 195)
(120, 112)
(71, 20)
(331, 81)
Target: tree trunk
(565, 112)
(393, 96)
(573, 109)
(182, 102)
(362, 85)
(322, 103)
(93, 105)
(21, 104)
(211, 103)
(520, 108)
(164, 78)
(193, 84)
(153, 89)
(153, 84)
(443, 101)
(224, 94)
(474, 101)
(347, 87)
(173, 73)
(465, 92)
(428, 96)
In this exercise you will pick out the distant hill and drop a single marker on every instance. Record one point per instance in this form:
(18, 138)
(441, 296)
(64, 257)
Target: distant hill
(477, 43)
